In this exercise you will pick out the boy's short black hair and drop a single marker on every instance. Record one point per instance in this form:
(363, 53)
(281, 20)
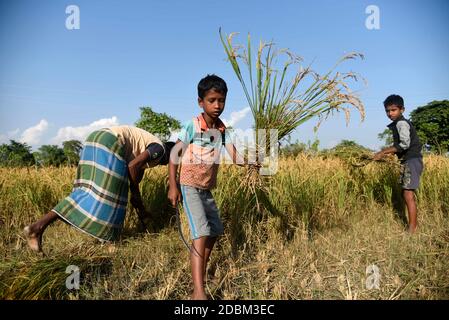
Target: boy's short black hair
(394, 99)
(211, 81)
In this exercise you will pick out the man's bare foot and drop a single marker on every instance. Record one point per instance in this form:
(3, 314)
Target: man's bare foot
(412, 229)
(34, 240)
(199, 296)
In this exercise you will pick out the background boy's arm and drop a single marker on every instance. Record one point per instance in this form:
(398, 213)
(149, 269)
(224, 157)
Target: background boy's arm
(173, 192)
(400, 146)
(382, 153)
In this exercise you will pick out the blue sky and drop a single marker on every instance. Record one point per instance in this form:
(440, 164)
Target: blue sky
(57, 83)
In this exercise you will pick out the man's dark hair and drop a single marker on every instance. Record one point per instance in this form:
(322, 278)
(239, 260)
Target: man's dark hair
(211, 81)
(394, 99)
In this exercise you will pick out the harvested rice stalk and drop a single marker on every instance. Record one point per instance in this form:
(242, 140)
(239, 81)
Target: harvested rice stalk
(363, 160)
(277, 103)
(358, 156)
(283, 104)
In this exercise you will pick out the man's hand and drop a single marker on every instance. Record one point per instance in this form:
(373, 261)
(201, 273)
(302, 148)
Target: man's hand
(174, 195)
(136, 202)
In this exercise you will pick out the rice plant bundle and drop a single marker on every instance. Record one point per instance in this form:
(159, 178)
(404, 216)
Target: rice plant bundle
(283, 94)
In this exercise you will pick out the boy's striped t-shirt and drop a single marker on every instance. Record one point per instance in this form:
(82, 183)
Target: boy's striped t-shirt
(199, 165)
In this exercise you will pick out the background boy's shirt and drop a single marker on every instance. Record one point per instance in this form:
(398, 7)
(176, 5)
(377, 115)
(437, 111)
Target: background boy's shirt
(200, 162)
(405, 139)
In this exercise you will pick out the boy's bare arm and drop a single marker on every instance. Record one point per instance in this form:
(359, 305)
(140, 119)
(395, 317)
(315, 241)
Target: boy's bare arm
(403, 144)
(390, 150)
(173, 192)
(235, 156)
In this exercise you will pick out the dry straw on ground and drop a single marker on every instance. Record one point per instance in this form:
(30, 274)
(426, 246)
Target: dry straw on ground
(328, 222)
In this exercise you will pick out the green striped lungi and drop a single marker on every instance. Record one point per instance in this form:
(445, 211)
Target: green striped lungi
(97, 204)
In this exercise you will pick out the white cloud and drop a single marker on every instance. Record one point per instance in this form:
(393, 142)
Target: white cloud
(236, 116)
(11, 135)
(80, 133)
(33, 135)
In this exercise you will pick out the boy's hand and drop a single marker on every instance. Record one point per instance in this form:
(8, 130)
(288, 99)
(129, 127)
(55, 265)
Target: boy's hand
(174, 196)
(378, 156)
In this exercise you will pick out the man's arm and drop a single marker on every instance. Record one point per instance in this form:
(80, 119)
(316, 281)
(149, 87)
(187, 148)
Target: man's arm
(136, 170)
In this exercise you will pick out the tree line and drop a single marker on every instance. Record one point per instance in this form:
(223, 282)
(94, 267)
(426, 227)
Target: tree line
(19, 154)
(431, 122)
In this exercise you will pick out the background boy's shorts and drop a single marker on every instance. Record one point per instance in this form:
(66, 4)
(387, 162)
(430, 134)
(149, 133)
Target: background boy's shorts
(202, 212)
(411, 170)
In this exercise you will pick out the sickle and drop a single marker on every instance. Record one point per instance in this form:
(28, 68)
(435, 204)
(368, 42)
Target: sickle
(178, 222)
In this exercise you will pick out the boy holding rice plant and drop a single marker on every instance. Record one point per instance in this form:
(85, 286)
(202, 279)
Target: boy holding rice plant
(407, 147)
(198, 149)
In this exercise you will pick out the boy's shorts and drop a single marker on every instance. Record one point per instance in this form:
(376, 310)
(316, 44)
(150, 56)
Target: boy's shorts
(202, 212)
(411, 170)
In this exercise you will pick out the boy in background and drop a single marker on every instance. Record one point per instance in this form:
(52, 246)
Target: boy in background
(407, 147)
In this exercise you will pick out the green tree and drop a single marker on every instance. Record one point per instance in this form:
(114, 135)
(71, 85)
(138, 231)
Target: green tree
(386, 136)
(432, 125)
(72, 149)
(314, 145)
(349, 144)
(293, 148)
(50, 155)
(159, 124)
(16, 154)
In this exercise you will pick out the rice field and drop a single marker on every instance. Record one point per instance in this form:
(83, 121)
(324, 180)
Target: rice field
(323, 223)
